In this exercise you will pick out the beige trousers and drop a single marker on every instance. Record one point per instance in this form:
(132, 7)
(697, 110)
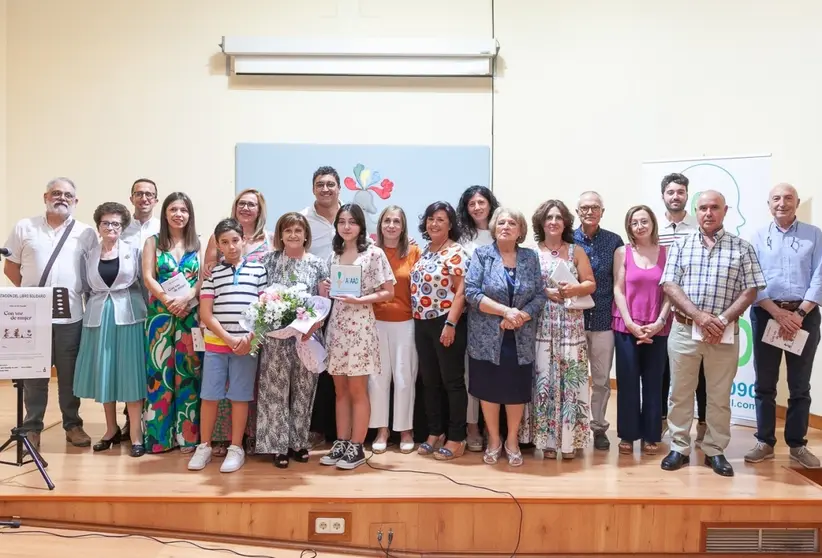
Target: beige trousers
(721, 363)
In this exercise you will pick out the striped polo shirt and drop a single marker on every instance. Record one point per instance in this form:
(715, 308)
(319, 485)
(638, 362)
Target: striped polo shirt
(669, 232)
(233, 289)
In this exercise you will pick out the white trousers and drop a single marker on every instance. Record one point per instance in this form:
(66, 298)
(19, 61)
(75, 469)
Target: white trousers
(472, 412)
(398, 359)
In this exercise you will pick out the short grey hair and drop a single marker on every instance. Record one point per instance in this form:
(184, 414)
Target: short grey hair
(591, 193)
(516, 215)
(60, 180)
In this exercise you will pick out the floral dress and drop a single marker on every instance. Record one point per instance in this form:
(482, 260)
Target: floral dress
(222, 427)
(172, 409)
(353, 342)
(558, 416)
(285, 396)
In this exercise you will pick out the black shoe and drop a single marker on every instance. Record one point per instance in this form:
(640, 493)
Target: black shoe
(601, 441)
(353, 457)
(674, 461)
(103, 445)
(300, 456)
(720, 465)
(138, 450)
(127, 431)
(280, 461)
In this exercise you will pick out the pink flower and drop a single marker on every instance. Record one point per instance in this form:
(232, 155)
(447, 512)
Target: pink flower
(265, 297)
(301, 314)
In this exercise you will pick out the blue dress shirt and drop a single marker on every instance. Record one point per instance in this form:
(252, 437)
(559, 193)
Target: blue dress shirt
(791, 261)
(600, 250)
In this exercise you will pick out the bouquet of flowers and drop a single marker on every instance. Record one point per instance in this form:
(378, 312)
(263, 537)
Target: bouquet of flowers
(282, 312)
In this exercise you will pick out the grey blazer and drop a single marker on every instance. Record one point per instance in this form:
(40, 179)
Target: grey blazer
(126, 291)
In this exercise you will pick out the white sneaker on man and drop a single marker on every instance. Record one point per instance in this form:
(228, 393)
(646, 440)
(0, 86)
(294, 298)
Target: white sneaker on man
(234, 459)
(201, 458)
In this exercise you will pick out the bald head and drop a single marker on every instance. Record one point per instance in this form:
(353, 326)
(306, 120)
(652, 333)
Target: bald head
(710, 211)
(783, 201)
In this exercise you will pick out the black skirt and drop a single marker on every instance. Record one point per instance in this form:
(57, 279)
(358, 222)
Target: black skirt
(508, 383)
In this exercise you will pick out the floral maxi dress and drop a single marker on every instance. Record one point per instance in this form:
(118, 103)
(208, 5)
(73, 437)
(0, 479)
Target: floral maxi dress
(172, 409)
(558, 416)
(353, 342)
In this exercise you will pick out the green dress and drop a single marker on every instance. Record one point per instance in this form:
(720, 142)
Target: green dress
(172, 409)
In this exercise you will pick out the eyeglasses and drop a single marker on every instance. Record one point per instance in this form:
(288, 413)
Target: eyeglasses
(321, 185)
(111, 225)
(146, 195)
(590, 208)
(56, 195)
(247, 205)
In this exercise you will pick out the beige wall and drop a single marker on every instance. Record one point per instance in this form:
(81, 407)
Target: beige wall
(6, 211)
(104, 92)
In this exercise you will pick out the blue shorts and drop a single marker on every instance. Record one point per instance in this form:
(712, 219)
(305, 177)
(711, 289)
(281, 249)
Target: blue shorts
(239, 371)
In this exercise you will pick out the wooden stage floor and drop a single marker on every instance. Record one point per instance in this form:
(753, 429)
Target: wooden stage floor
(601, 502)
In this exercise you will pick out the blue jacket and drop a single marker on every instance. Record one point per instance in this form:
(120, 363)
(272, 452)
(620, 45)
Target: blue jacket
(487, 277)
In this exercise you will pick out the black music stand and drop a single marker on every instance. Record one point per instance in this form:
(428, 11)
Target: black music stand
(60, 309)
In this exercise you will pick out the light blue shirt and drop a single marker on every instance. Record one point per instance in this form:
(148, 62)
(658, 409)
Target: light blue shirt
(791, 261)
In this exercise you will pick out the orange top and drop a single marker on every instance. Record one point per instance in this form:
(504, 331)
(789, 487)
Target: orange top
(398, 309)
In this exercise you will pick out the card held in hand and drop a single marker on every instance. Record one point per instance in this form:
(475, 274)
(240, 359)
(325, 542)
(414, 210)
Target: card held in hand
(346, 280)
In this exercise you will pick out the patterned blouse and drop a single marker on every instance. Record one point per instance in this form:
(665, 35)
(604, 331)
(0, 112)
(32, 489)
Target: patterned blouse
(432, 289)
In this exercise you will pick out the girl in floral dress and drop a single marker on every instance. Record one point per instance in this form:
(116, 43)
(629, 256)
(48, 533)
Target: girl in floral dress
(172, 409)
(558, 417)
(353, 341)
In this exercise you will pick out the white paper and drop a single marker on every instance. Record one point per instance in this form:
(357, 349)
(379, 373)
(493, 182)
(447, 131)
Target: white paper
(727, 334)
(795, 345)
(562, 274)
(198, 340)
(177, 286)
(25, 332)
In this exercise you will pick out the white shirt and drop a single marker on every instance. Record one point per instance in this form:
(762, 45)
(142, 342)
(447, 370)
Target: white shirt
(137, 233)
(483, 238)
(669, 231)
(31, 244)
(322, 233)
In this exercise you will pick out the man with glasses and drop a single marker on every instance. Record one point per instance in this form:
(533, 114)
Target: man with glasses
(143, 223)
(790, 253)
(45, 251)
(600, 246)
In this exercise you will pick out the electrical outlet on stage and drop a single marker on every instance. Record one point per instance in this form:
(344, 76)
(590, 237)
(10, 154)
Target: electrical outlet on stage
(329, 525)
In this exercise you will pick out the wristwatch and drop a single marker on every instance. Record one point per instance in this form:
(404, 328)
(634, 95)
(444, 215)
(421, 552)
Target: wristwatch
(723, 319)
(452, 324)
(801, 312)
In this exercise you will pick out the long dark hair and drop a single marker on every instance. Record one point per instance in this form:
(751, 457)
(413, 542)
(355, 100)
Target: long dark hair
(192, 242)
(402, 244)
(541, 214)
(362, 239)
(453, 230)
(467, 227)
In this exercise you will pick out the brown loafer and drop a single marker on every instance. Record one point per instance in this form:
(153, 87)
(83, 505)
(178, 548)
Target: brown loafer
(77, 437)
(34, 440)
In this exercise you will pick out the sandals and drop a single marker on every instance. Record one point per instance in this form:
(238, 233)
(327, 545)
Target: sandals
(445, 454)
(626, 447)
(492, 455)
(650, 448)
(514, 457)
(427, 449)
(219, 450)
(280, 461)
(300, 456)
(474, 443)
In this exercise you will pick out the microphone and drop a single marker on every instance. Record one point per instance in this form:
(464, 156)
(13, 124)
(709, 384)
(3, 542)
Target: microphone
(5, 252)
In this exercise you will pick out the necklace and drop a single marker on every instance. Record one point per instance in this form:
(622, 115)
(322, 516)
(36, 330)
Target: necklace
(439, 248)
(553, 252)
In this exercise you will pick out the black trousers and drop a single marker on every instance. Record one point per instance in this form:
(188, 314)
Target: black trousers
(701, 394)
(443, 373)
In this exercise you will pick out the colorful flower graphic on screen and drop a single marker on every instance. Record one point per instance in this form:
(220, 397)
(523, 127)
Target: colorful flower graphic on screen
(367, 183)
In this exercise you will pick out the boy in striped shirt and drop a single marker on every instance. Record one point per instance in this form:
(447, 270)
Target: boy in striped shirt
(229, 371)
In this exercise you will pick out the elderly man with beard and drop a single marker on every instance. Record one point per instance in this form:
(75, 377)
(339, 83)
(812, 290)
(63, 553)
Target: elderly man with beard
(674, 224)
(45, 251)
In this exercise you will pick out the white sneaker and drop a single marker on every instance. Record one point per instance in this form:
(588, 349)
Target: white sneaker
(201, 458)
(234, 459)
